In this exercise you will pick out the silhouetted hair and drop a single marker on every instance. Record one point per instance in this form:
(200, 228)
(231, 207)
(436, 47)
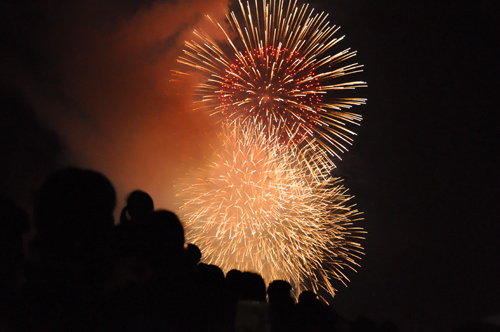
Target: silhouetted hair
(74, 211)
(251, 287)
(139, 204)
(160, 238)
(279, 290)
(193, 254)
(308, 297)
(168, 230)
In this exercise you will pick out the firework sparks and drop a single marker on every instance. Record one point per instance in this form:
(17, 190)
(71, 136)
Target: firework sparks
(278, 68)
(271, 208)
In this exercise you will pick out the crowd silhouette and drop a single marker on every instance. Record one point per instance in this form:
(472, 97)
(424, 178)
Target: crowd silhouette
(86, 274)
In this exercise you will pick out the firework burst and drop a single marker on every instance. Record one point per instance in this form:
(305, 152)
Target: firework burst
(278, 67)
(272, 208)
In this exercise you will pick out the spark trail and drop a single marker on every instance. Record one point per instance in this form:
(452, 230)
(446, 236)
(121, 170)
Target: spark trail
(272, 208)
(278, 67)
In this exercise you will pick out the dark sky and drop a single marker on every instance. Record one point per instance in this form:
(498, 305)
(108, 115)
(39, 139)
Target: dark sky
(84, 84)
(423, 166)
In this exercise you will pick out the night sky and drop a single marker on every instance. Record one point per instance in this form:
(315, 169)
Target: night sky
(86, 83)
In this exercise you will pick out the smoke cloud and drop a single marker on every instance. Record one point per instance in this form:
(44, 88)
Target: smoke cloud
(97, 74)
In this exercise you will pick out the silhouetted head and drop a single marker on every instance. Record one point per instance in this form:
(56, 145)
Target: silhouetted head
(193, 254)
(161, 235)
(232, 277)
(73, 213)
(233, 274)
(308, 297)
(279, 290)
(210, 275)
(139, 203)
(251, 287)
(169, 230)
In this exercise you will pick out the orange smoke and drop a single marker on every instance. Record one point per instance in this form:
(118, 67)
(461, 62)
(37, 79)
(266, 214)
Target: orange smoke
(105, 88)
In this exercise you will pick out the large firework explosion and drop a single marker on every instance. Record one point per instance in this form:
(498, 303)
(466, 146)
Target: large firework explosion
(272, 208)
(267, 202)
(279, 67)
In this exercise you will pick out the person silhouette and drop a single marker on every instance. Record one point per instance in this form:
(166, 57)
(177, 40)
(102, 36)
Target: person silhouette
(139, 204)
(73, 216)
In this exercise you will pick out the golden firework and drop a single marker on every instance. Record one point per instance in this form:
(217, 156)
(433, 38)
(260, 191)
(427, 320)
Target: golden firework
(271, 208)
